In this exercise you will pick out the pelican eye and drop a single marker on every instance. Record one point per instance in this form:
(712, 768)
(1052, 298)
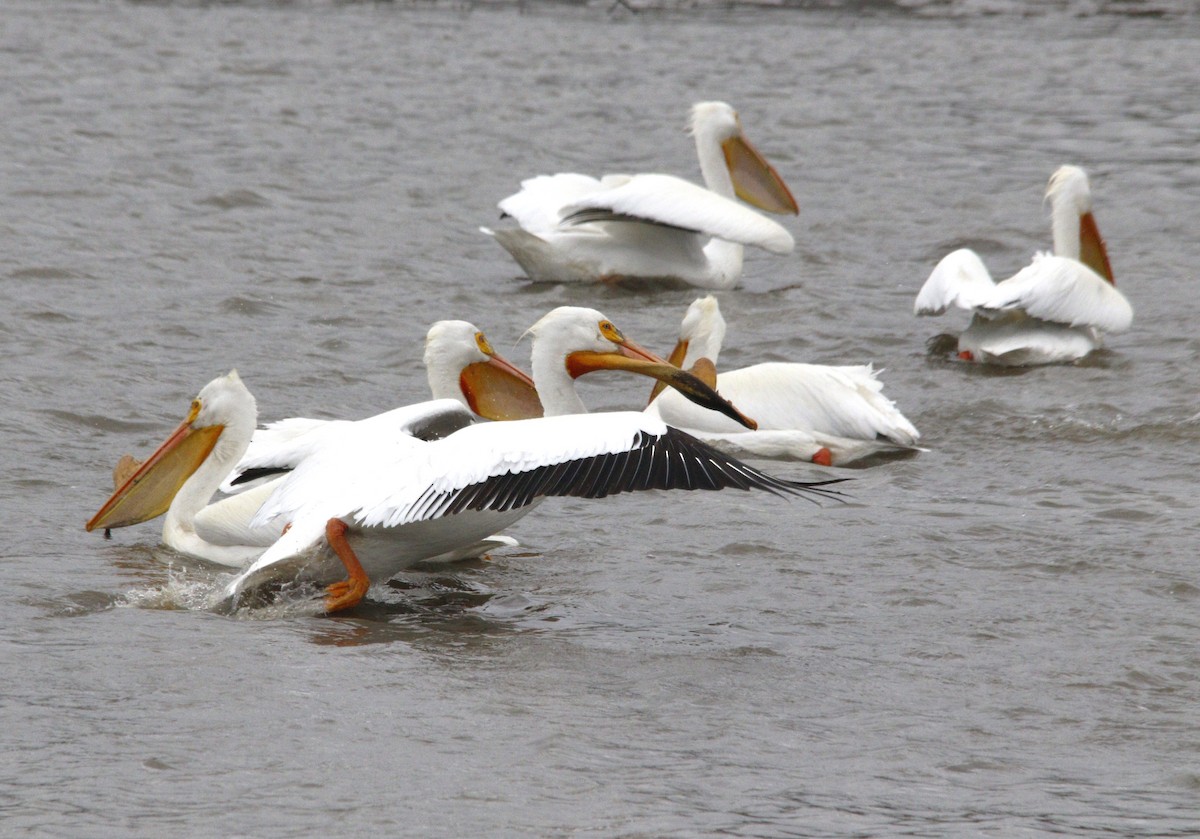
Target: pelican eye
(194, 411)
(611, 332)
(481, 341)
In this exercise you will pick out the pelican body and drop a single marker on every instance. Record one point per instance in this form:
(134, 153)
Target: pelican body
(464, 487)
(829, 415)
(574, 227)
(378, 492)
(1054, 310)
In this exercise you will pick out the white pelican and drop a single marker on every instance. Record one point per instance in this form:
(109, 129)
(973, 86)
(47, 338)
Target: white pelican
(1053, 310)
(182, 475)
(829, 415)
(650, 226)
(373, 501)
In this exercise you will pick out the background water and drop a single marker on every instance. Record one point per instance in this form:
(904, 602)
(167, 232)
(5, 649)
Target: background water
(998, 637)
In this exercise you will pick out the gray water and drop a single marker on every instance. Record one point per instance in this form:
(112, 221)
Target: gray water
(995, 638)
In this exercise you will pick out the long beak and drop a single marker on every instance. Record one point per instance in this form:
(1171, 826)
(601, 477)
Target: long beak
(633, 359)
(1092, 251)
(754, 180)
(148, 492)
(497, 390)
(678, 354)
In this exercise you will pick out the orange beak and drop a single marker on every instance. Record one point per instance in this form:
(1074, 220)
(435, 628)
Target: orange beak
(497, 390)
(755, 180)
(675, 359)
(1092, 251)
(149, 490)
(634, 359)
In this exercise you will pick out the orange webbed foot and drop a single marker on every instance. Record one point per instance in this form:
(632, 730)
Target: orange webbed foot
(823, 457)
(345, 594)
(348, 592)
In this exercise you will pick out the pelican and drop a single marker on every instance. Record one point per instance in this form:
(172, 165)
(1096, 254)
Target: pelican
(182, 475)
(651, 226)
(1054, 310)
(371, 502)
(829, 415)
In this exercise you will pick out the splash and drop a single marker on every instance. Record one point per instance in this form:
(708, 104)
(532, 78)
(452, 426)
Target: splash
(181, 590)
(189, 590)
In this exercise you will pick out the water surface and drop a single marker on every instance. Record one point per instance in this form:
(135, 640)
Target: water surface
(996, 638)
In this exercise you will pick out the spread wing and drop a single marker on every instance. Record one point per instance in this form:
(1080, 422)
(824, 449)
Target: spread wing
(673, 202)
(1062, 290)
(960, 279)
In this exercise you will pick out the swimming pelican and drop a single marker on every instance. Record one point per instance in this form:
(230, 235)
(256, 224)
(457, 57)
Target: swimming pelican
(182, 475)
(829, 415)
(1053, 310)
(369, 503)
(651, 226)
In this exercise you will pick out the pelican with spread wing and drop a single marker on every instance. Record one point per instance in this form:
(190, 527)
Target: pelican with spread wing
(1054, 310)
(370, 503)
(363, 500)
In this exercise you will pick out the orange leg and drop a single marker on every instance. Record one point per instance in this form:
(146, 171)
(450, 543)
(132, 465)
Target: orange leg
(823, 457)
(348, 592)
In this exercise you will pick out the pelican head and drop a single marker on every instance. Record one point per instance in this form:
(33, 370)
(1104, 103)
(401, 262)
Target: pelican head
(461, 365)
(702, 330)
(584, 341)
(1069, 185)
(701, 333)
(1076, 235)
(754, 180)
(216, 430)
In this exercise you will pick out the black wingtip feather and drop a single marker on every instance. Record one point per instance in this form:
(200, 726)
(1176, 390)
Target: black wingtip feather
(673, 460)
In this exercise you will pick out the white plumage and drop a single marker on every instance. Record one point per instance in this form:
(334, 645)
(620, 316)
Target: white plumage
(574, 227)
(831, 414)
(1054, 310)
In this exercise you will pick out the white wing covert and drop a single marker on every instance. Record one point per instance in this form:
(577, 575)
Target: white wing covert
(960, 279)
(1063, 290)
(674, 202)
(536, 206)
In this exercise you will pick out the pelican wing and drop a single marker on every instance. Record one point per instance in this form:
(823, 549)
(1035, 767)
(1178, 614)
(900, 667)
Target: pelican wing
(281, 446)
(381, 482)
(536, 207)
(673, 202)
(507, 465)
(273, 450)
(1063, 290)
(960, 279)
